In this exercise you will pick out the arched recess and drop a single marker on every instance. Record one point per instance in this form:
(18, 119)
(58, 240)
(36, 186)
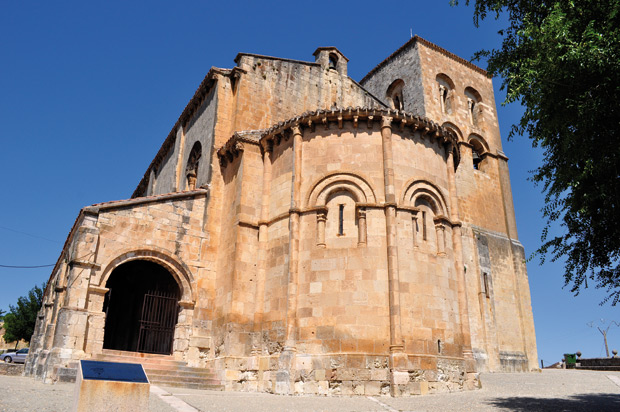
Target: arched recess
(456, 155)
(179, 271)
(416, 188)
(455, 129)
(431, 212)
(394, 95)
(193, 161)
(341, 198)
(474, 106)
(147, 293)
(354, 183)
(445, 89)
(479, 150)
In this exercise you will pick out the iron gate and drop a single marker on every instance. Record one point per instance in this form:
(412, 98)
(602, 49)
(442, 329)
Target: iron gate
(159, 317)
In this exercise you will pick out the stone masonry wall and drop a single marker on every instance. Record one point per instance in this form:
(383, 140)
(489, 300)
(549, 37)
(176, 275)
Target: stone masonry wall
(405, 66)
(167, 232)
(287, 88)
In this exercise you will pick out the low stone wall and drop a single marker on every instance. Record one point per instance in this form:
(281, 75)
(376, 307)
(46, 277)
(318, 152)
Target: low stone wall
(11, 369)
(604, 364)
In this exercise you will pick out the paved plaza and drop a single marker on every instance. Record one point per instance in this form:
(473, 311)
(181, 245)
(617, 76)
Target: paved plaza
(551, 390)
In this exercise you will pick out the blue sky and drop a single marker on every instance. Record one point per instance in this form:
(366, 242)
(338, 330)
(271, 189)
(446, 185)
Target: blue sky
(89, 91)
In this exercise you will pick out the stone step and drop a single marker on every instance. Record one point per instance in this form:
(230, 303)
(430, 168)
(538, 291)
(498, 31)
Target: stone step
(159, 360)
(164, 370)
(185, 371)
(172, 376)
(141, 355)
(208, 385)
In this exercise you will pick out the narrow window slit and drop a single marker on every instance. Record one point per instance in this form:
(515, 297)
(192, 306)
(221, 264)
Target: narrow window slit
(485, 278)
(341, 219)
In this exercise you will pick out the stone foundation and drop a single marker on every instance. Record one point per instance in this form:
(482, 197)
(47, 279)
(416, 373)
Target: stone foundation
(333, 375)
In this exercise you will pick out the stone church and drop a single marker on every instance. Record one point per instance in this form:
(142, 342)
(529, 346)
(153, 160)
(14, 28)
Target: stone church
(302, 232)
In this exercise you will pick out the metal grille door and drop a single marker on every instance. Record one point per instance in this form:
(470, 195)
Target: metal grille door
(159, 317)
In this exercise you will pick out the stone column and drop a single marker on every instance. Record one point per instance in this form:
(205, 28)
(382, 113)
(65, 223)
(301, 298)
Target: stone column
(457, 244)
(441, 238)
(442, 90)
(361, 227)
(191, 180)
(414, 228)
(321, 218)
(285, 374)
(398, 359)
(263, 244)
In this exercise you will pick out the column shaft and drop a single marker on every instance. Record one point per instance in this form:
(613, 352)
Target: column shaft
(396, 340)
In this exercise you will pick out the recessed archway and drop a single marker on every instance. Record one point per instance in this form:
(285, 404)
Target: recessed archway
(141, 308)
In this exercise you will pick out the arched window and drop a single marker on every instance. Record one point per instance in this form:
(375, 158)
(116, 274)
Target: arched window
(479, 150)
(424, 222)
(394, 95)
(340, 216)
(333, 61)
(445, 90)
(339, 201)
(191, 170)
(474, 107)
(429, 222)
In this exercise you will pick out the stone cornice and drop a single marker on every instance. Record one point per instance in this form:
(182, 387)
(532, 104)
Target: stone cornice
(326, 119)
(263, 56)
(95, 209)
(232, 148)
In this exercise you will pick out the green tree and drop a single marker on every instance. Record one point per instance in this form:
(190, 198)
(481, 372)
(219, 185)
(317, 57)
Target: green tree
(19, 322)
(561, 60)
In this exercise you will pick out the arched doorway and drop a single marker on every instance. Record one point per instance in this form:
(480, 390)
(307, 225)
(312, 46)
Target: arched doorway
(141, 308)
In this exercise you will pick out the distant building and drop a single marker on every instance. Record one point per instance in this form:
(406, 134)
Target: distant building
(300, 232)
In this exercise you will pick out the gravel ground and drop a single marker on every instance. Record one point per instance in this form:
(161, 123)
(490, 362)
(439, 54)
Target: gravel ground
(551, 390)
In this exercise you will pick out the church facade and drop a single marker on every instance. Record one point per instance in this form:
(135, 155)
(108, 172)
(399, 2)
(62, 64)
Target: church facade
(300, 232)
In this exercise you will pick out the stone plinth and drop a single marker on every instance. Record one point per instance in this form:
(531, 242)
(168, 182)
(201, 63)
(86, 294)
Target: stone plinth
(109, 386)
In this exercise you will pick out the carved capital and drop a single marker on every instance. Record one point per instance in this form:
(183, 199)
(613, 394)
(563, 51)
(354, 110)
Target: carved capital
(361, 213)
(386, 121)
(296, 129)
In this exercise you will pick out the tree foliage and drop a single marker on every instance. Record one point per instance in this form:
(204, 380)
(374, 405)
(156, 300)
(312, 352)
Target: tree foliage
(561, 60)
(19, 322)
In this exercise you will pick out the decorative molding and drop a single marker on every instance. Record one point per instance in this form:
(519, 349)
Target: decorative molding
(98, 290)
(85, 264)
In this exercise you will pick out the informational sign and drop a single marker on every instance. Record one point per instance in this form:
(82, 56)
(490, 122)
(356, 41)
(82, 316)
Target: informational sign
(113, 371)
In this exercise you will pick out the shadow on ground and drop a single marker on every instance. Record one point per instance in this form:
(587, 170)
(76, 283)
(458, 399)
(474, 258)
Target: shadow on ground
(602, 402)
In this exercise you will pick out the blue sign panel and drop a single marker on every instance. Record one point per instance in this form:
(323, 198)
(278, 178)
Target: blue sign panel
(113, 371)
